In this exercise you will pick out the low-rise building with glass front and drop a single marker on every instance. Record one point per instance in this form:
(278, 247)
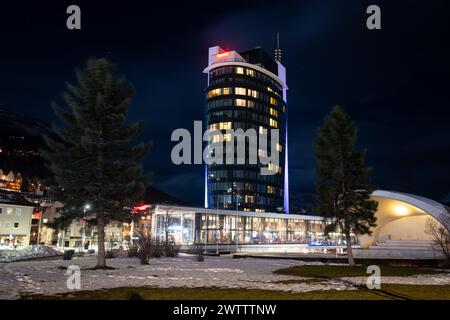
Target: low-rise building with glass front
(189, 225)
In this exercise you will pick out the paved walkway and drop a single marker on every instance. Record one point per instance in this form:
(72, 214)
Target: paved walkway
(49, 277)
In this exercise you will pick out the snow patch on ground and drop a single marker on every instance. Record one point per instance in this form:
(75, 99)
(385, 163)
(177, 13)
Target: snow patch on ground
(30, 252)
(50, 278)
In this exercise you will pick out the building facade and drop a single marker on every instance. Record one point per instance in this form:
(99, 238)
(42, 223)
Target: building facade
(188, 225)
(402, 228)
(247, 90)
(80, 235)
(15, 219)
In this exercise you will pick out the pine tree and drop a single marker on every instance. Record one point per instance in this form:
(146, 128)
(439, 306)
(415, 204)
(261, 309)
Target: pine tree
(92, 158)
(343, 187)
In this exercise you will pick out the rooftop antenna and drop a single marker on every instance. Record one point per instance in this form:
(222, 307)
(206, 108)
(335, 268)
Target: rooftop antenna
(278, 50)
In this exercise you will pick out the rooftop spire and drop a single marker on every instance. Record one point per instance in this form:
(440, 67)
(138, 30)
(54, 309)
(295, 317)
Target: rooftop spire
(278, 50)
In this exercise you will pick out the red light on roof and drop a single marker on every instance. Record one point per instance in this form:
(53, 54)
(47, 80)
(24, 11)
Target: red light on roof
(142, 208)
(223, 55)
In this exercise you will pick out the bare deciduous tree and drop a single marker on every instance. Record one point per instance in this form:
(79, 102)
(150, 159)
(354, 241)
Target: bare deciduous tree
(440, 232)
(198, 251)
(171, 249)
(144, 246)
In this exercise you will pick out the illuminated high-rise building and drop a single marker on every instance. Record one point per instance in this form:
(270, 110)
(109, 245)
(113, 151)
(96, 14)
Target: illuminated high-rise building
(247, 90)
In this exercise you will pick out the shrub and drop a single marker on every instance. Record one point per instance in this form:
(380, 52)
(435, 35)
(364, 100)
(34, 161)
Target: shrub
(110, 253)
(145, 247)
(198, 250)
(172, 249)
(133, 251)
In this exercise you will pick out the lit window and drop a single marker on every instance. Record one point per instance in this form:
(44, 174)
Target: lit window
(270, 189)
(274, 167)
(260, 210)
(273, 123)
(218, 92)
(273, 101)
(221, 137)
(249, 199)
(240, 91)
(9, 211)
(250, 72)
(240, 102)
(253, 93)
(279, 147)
(220, 126)
(261, 128)
(240, 70)
(213, 93)
(262, 153)
(273, 112)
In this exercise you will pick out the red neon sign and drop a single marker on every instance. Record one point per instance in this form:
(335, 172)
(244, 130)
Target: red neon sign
(141, 208)
(222, 55)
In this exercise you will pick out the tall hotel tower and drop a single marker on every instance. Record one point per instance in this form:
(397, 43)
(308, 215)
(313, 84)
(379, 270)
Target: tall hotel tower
(247, 89)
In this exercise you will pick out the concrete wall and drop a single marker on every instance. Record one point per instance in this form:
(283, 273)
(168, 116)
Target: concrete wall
(407, 228)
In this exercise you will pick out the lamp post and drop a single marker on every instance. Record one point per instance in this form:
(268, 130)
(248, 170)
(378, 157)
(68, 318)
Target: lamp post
(83, 241)
(39, 227)
(237, 216)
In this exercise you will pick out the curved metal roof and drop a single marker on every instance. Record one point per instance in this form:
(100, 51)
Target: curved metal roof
(433, 208)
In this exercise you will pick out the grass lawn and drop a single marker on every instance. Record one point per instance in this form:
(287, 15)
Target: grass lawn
(327, 271)
(309, 274)
(409, 291)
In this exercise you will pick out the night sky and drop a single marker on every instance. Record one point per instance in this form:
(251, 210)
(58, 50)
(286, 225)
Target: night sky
(393, 82)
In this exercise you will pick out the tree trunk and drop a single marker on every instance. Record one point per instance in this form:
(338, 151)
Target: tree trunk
(351, 261)
(101, 255)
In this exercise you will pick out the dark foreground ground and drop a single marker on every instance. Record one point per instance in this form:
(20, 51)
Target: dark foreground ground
(307, 274)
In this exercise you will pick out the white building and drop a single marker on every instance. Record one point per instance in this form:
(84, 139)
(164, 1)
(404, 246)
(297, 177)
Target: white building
(15, 219)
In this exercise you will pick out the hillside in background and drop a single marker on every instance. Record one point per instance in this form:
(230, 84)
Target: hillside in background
(20, 142)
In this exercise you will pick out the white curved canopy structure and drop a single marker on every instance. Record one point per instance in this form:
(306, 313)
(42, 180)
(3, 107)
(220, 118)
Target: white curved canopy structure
(402, 216)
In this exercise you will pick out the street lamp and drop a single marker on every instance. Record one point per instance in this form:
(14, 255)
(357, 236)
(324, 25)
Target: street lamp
(85, 208)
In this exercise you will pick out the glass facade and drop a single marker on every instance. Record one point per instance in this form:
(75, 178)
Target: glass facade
(244, 98)
(178, 227)
(187, 228)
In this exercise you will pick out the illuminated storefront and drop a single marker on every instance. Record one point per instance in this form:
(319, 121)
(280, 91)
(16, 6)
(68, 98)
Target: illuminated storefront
(186, 226)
